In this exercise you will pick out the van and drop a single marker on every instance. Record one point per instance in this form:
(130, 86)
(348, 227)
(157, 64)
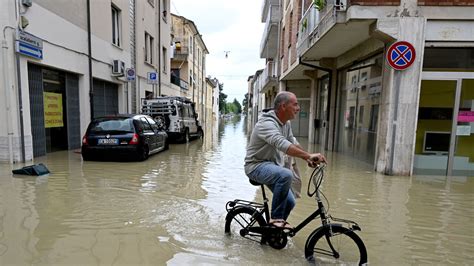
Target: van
(176, 115)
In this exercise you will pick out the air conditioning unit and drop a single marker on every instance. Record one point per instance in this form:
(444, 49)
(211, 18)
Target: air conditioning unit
(118, 68)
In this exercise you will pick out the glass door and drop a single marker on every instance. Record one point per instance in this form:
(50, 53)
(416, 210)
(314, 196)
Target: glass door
(445, 129)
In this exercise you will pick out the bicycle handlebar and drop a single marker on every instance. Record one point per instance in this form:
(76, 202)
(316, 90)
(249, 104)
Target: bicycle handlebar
(317, 177)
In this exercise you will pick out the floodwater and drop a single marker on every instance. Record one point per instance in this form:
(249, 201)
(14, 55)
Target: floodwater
(170, 209)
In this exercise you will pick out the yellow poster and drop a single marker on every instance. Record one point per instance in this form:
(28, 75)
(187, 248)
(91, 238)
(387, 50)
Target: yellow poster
(53, 109)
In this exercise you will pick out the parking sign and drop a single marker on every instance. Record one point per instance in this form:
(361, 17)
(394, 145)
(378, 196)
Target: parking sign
(152, 78)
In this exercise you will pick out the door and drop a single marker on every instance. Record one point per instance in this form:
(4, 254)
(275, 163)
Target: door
(445, 128)
(300, 125)
(148, 134)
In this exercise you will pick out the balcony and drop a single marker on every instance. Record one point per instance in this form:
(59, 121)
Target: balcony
(181, 54)
(329, 32)
(265, 6)
(179, 82)
(269, 44)
(269, 77)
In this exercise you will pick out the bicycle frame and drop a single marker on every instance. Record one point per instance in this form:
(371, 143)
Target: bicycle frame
(321, 211)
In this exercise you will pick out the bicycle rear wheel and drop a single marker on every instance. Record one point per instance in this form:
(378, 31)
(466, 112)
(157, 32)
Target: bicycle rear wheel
(240, 219)
(343, 246)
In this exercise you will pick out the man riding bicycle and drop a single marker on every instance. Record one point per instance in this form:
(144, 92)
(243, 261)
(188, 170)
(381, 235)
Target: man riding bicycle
(271, 138)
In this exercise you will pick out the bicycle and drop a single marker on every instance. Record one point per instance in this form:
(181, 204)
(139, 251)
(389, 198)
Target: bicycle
(331, 241)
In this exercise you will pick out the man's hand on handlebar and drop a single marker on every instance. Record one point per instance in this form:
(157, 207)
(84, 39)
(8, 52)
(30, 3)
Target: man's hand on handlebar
(315, 159)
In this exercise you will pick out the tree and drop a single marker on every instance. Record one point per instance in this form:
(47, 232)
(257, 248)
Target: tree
(245, 103)
(237, 106)
(222, 99)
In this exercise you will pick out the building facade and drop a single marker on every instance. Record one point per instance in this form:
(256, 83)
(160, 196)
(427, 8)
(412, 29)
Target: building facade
(63, 63)
(335, 56)
(188, 64)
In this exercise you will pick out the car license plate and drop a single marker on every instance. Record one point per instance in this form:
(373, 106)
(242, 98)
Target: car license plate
(107, 141)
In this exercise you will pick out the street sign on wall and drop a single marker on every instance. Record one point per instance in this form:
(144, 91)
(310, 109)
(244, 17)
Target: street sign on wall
(401, 55)
(152, 78)
(29, 45)
(130, 74)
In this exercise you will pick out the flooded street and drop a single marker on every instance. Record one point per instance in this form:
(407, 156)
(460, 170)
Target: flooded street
(170, 209)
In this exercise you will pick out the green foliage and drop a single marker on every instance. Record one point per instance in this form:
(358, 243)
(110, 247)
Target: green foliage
(237, 107)
(319, 4)
(222, 99)
(245, 103)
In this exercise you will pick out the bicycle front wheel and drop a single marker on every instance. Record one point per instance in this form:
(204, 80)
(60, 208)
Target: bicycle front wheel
(335, 244)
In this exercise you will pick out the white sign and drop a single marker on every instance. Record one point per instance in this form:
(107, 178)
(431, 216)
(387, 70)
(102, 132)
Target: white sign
(29, 39)
(130, 74)
(464, 130)
(152, 78)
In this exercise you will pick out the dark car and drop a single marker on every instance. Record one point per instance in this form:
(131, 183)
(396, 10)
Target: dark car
(132, 137)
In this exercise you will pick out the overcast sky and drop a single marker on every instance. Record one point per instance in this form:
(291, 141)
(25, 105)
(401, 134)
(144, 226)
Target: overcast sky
(233, 26)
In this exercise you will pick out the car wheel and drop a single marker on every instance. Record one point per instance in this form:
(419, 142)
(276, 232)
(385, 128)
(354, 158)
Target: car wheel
(143, 153)
(200, 134)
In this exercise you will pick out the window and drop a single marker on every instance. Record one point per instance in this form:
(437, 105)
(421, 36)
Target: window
(164, 9)
(146, 126)
(165, 59)
(116, 26)
(290, 29)
(153, 124)
(149, 44)
(282, 46)
(361, 114)
(190, 44)
(199, 57)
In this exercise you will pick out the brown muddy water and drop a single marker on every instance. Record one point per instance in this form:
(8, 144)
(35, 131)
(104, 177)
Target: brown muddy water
(170, 209)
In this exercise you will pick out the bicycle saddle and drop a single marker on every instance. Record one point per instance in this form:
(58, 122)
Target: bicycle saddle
(255, 183)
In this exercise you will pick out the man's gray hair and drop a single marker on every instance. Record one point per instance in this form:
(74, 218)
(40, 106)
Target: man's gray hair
(281, 98)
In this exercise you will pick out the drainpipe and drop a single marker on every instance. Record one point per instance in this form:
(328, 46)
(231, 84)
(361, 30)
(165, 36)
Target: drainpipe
(7, 96)
(159, 50)
(20, 97)
(20, 106)
(89, 55)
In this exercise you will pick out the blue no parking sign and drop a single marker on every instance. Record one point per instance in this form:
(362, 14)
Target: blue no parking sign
(401, 55)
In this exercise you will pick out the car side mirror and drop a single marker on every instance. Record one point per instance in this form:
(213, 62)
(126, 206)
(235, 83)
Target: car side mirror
(196, 115)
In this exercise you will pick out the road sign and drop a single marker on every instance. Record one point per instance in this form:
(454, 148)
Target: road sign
(401, 55)
(26, 49)
(29, 45)
(152, 78)
(130, 74)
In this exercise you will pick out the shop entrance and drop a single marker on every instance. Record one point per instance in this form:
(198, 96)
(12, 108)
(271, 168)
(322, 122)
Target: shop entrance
(445, 128)
(54, 110)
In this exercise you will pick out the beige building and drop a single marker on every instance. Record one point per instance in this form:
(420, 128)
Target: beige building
(405, 108)
(188, 64)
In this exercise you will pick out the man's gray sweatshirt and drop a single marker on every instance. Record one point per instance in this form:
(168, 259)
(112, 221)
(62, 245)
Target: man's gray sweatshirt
(269, 141)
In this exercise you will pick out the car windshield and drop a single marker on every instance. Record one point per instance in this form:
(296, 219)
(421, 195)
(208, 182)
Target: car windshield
(112, 125)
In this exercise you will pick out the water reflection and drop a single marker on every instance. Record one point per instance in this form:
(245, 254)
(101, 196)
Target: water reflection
(170, 209)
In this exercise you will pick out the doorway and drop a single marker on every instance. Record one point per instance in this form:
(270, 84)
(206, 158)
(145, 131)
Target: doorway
(444, 142)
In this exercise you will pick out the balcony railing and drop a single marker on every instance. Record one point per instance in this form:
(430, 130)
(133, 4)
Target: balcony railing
(181, 54)
(179, 82)
(265, 5)
(269, 77)
(315, 23)
(269, 44)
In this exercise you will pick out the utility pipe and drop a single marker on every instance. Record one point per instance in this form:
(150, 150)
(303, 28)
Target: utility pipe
(7, 97)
